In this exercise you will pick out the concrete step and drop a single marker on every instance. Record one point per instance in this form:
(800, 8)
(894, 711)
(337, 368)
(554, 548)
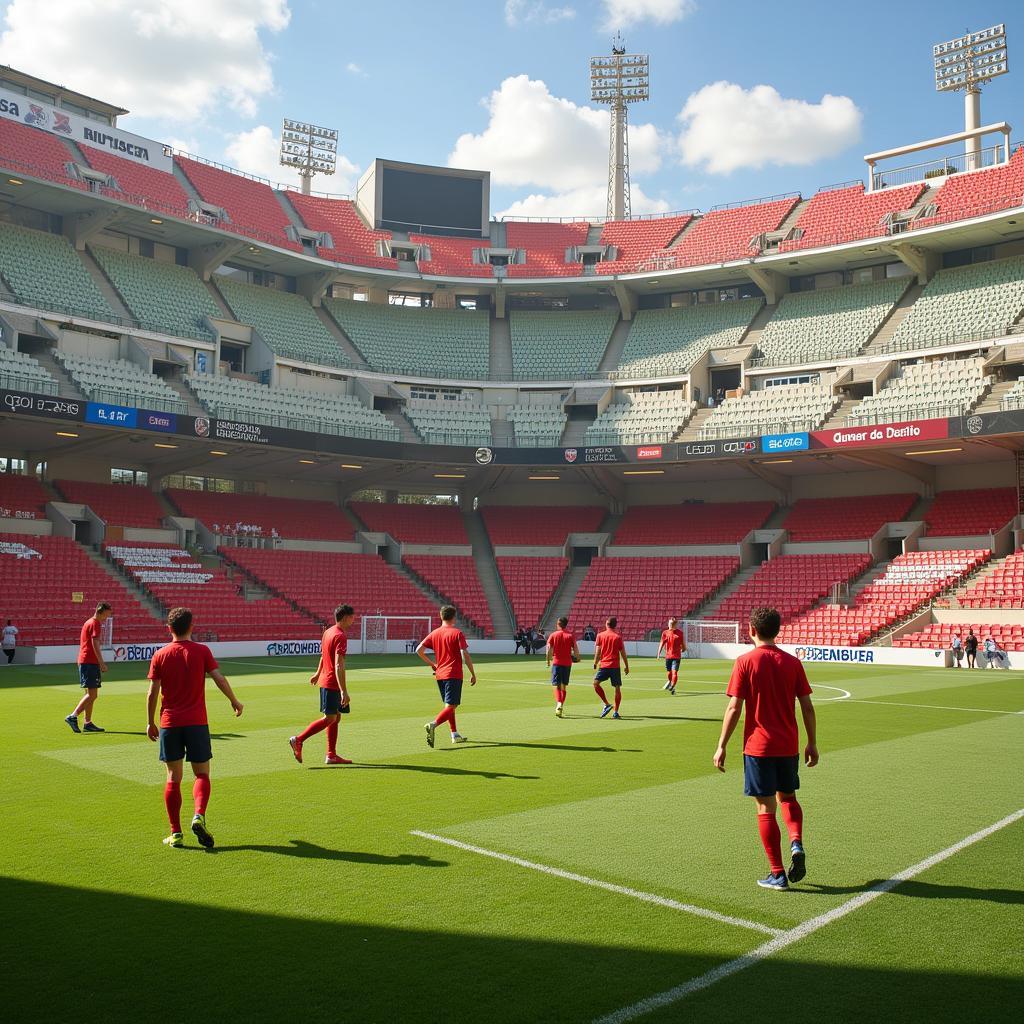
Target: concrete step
(794, 215)
(687, 228)
(777, 518)
(225, 309)
(993, 400)
(148, 602)
(190, 189)
(183, 390)
(343, 341)
(66, 388)
(290, 211)
(399, 420)
(691, 432)
(487, 571)
(106, 286)
(731, 585)
(753, 333)
(562, 599)
(839, 414)
(501, 348)
(575, 433)
(885, 332)
(616, 343)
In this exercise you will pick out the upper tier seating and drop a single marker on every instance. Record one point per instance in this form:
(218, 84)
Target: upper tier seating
(644, 417)
(545, 246)
(562, 345)
(944, 387)
(817, 519)
(121, 382)
(1002, 588)
(971, 512)
(539, 525)
(22, 497)
(454, 578)
(431, 342)
(774, 410)
(692, 523)
(790, 583)
(115, 504)
(833, 323)
(236, 399)
(164, 296)
(668, 341)
(643, 593)
(537, 426)
(138, 184)
(34, 152)
(455, 422)
(413, 524)
(530, 584)
(846, 214)
(20, 372)
(939, 635)
(318, 581)
(44, 270)
(286, 321)
(353, 241)
(251, 205)
(451, 257)
(1014, 398)
(979, 192)
(638, 240)
(983, 299)
(43, 575)
(290, 517)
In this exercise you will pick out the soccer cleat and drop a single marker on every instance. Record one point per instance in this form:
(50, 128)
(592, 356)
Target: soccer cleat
(200, 831)
(335, 759)
(798, 866)
(72, 721)
(672, 690)
(296, 744)
(558, 710)
(777, 882)
(615, 714)
(92, 727)
(174, 840)
(430, 727)
(607, 710)
(457, 737)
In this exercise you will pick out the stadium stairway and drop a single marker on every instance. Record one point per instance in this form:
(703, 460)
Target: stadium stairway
(105, 285)
(616, 343)
(343, 341)
(973, 579)
(180, 388)
(993, 400)
(839, 414)
(487, 571)
(225, 309)
(433, 596)
(794, 215)
(399, 419)
(563, 598)
(124, 580)
(575, 433)
(777, 518)
(501, 347)
(289, 209)
(885, 332)
(65, 386)
(708, 609)
(190, 190)
(753, 333)
(691, 431)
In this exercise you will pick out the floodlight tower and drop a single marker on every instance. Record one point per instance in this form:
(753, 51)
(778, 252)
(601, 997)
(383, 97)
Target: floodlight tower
(310, 148)
(619, 80)
(968, 63)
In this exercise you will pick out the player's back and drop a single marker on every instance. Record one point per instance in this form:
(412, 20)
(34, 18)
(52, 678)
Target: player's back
(609, 646)
(560, 642)
(770, 681)
(448, 643)
(181, 666)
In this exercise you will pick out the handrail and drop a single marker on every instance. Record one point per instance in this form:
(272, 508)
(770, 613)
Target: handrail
(755, 202)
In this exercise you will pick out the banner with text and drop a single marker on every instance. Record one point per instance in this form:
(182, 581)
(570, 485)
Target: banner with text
(908, 432)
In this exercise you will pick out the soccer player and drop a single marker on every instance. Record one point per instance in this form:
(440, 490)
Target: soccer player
(450, 650)
(771, 681)
(90, 666)
(608, 648)
(330, 676)
(177, 674)
(673, 643)
(562, 653)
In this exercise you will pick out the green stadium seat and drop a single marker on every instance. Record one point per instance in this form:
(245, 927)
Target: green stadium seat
(560, 345)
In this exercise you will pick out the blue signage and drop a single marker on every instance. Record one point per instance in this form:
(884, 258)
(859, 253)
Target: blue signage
(165, 421)
(786, 442)
(111, 415)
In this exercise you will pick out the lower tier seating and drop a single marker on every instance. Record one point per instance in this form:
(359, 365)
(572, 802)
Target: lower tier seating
(115, 504)
(641, 418)
(966, 513)
(1002, 588)
(530, 584)
(774, 410)
(540, 525)
(413, 524)
(1008, 637)
(692, 523)
(820, 519)
(121, 382)
(454, 577)
(563, 345)
(459, 423)
(537, 426)
(20, 372)
(22, 497)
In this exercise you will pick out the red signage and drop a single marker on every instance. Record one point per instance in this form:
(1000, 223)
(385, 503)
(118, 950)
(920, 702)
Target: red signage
(650, 452)
(909, 432)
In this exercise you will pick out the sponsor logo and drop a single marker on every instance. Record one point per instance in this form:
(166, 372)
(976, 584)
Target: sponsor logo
(732, 447)
(883, 433)
(650, 452)
(18, 402)
(61, 123)
(202, 426)
(9, 107)
(42, 406)
(484, 456)
(165, 421)
(570, 454)
(111, 415)
(700, 449)
(974, 424)
(136, 652)
(114, 142)
(600, 455)
(283, 648)
(36, 116)
(859, 654)
(250, 432)
(798, 442)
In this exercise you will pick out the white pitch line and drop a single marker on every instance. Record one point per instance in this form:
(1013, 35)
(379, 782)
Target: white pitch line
(801, 931)
(932, 707)
(622, 890)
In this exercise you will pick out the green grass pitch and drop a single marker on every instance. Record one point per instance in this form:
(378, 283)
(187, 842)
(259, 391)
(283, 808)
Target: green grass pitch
(320, 904)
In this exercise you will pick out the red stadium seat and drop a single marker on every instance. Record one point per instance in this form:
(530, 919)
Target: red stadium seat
(539, 525)
(824, 519)
(530, 584)
(454, 578)
(33, 152)
(692, 523)
(138, 184)
(115, 504)
(413, 524)
(971, 512)
(353, 241)
(638, 240)
(22, 497)
(545, 246)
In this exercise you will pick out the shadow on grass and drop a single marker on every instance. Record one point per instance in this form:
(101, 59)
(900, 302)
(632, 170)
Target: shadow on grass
(927, 890)
(430, 769)
(552, 746)
(300, 848)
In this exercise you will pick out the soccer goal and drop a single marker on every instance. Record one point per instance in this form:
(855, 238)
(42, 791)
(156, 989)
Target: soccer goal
(380, 631)
(705, 631)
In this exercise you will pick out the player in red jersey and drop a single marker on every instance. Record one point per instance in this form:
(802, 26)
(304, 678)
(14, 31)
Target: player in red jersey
(177, 676)
(450, 650)
(673, 643)
(330, 676)
(771, 682)
(562, 654)
(608, 649)
(90, 666)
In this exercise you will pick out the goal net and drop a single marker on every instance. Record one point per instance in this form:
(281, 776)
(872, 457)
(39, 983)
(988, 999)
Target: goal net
(699, 632)
(107, 633)
(378, 631)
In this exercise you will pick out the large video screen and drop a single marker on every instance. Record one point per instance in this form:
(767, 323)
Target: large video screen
(439, 204)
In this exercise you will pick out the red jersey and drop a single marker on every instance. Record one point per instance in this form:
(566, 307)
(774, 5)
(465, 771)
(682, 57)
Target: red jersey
(609, 648)
(769, 680)
(560, 642)
(334, 642)
(673, 641)
(447, 643)
(90, 629)
(181, 667)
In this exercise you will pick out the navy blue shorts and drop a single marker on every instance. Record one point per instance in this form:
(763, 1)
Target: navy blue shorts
(766, 776)
(450, 690)
(191, 742)
(613, 675)
(560, 675)
(330, 702)
(672, 664)
(89, 677)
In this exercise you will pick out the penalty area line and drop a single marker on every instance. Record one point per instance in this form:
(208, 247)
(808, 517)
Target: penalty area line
(596, 883)
(788, 938)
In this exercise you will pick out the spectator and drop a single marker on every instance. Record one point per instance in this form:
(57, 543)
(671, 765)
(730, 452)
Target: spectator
(993, 653)
(589, 633)
(711, 401)
(520, 639)
(10, 640)
(971, 648)
(720, 396)
(956, 645)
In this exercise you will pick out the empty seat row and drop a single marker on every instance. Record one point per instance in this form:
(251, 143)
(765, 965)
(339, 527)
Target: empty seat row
(121, 382)
(641, 417)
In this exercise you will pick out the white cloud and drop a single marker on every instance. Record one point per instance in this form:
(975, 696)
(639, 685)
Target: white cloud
(581, 202)
(355, 69)
(534, 138)
(165, 60)
(523, 12)
(726, 127)
(257, 152)
(624, 13)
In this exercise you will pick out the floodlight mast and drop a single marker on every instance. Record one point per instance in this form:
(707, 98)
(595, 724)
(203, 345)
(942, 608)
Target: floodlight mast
(308, 148)
(617, 81)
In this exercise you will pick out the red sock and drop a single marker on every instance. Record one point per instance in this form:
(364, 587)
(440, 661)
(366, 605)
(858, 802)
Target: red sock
(201, 793)
(172, 800)
(600, 692)
(793, 816)
(312, 729)
(447, 715)
(771, 838)
(618, 697)
(562, 693)
(332, 737)
(675, 678)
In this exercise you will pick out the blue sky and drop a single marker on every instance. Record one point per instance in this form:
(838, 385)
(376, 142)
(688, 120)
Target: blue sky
(409, 80)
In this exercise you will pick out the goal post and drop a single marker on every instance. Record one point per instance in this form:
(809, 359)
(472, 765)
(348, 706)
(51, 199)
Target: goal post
(107, 632)
(381, 633)
(699, 632)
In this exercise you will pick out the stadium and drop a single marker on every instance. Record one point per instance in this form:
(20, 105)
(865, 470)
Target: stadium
(259, 400)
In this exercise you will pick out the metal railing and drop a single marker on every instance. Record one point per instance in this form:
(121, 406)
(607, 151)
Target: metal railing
(309, 424)
(990, 156)
(709, 431)
(917, 412)
(949, 340)
(132, 399)
(14, 381)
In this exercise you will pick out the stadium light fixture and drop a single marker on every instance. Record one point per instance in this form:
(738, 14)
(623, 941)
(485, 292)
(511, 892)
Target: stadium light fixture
(350, 465)
(159, 444)
(307, 462)
(66, 433)
(310, 149)
(449, 476)
(155, 220)
(774, 462)
(15, 181)
(539, 477)
(643, 472)
(218, 453)
(935, 451)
